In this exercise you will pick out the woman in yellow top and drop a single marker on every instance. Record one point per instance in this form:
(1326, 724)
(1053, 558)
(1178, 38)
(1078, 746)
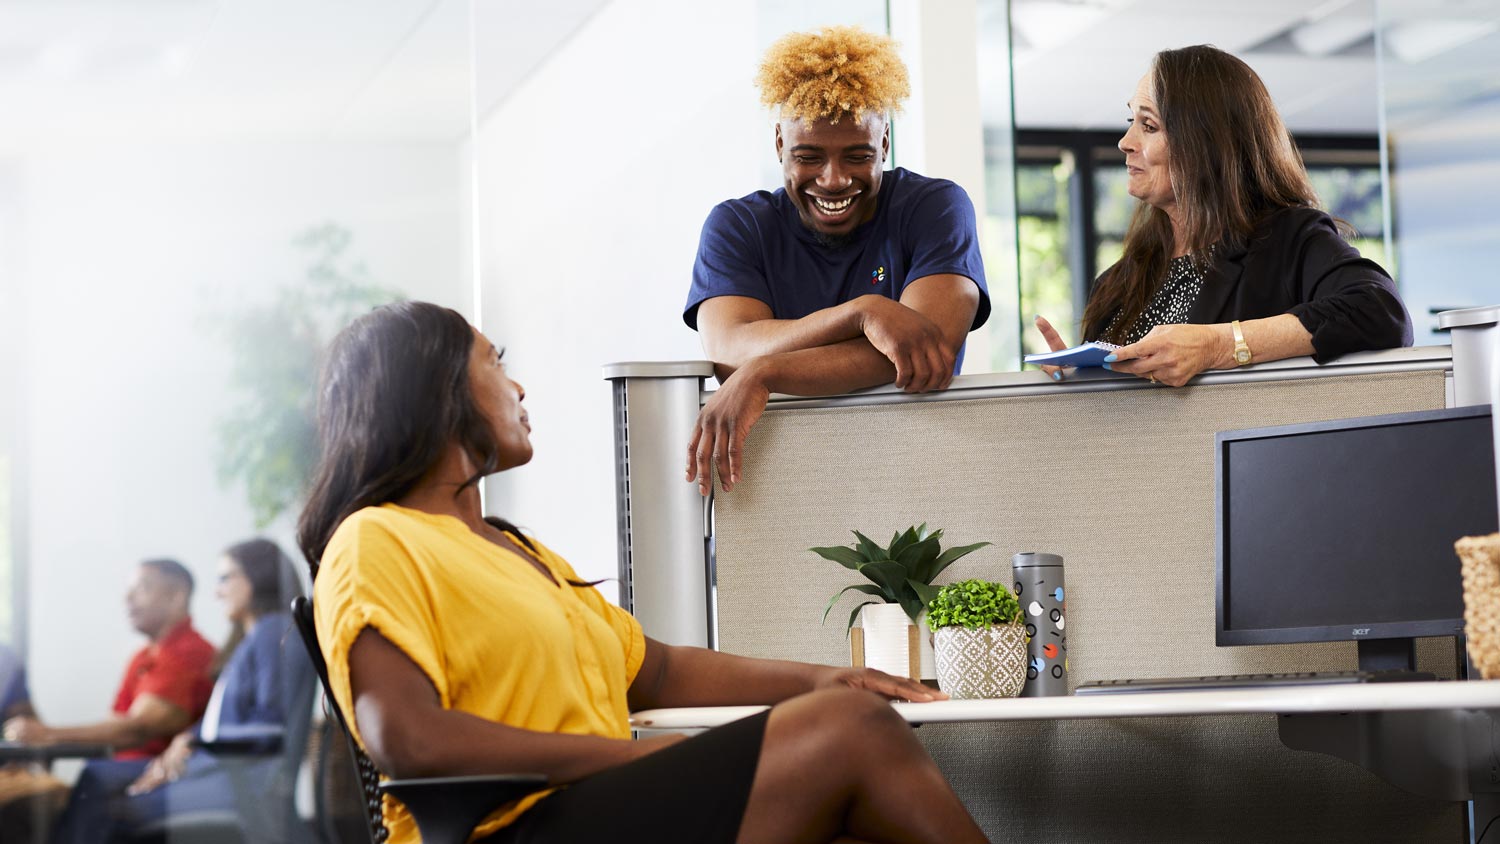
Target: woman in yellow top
(461, 646)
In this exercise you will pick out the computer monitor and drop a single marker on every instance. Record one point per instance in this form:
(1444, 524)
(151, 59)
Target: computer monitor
(1344, 530)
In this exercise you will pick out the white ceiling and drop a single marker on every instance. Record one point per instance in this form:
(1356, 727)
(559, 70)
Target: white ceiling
(265, 69)
(1077, 61)
(400, 69)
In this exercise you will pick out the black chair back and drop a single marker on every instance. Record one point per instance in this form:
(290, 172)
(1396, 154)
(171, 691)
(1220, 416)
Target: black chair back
(369, 775)
(444, 809)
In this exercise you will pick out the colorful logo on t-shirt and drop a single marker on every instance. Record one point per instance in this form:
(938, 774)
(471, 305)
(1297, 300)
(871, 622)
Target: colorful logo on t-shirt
(877, 276)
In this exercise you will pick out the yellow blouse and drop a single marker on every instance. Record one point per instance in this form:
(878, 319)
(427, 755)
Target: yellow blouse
(496, 639)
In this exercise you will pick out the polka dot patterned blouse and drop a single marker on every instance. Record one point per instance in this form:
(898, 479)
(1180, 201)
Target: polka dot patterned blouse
(1172, 301)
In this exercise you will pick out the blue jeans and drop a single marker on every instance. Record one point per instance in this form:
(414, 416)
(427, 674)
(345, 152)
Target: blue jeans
(100, 812)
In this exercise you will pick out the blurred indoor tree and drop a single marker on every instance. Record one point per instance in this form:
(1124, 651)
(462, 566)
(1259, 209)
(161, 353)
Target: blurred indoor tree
(268, 439)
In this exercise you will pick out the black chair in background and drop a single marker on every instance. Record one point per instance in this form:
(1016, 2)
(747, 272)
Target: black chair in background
(260, 816)
(446, 809)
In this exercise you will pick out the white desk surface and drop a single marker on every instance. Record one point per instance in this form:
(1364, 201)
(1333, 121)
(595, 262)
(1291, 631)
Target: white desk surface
(1355, 697)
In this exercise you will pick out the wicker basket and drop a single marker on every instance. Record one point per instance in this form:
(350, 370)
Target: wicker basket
(1481, 559)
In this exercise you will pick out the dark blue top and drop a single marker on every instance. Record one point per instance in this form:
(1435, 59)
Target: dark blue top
(13, 689)
(263, 675)
(757, 246)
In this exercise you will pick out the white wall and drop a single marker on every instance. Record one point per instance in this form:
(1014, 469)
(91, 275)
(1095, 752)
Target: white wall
(596, 176)
(128, 253)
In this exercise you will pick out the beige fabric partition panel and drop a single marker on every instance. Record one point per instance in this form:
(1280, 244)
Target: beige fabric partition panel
(1122, 485)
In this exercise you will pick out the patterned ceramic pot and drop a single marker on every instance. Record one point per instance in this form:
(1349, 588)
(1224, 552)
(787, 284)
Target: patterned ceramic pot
(984, 663)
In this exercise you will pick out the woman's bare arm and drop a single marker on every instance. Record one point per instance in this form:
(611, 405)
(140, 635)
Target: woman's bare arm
(673, 675)
(408, 733)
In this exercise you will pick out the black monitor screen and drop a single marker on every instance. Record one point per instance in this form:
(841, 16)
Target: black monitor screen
(1344, 530)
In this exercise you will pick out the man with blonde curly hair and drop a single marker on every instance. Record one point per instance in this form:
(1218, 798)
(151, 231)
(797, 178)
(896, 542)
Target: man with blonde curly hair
(847, 276)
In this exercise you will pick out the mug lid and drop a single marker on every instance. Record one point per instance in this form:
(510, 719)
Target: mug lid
(1032, 559)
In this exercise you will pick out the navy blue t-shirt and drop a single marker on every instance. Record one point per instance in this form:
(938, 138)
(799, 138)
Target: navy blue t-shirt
(757, 246)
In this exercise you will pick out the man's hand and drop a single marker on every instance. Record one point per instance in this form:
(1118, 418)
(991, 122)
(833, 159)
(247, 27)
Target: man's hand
(914, 344)
(27, 730)
(167, 767)
(723, 423)
(1054, 343)
(886, 685)
(1173, 354)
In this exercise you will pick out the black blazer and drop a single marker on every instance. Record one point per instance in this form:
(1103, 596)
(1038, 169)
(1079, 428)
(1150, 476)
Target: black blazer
(1295, 262)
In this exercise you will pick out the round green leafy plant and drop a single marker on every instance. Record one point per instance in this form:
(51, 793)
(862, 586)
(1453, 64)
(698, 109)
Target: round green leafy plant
(973, 604)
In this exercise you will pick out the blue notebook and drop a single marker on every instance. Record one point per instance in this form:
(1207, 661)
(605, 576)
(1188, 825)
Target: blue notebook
(1088, 354)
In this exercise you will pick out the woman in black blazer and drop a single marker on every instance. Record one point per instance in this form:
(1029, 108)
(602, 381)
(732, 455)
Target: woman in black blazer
(1228, 260)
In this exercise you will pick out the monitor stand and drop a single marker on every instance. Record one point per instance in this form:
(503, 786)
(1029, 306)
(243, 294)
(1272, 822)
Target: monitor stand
(1387, 654)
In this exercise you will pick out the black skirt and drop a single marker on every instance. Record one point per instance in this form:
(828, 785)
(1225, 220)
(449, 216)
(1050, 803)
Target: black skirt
(694, 791)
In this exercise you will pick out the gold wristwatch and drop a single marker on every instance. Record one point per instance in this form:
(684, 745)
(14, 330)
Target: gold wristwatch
(1242, 354)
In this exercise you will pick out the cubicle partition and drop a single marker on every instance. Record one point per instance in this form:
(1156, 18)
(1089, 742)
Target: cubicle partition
(1117, 476)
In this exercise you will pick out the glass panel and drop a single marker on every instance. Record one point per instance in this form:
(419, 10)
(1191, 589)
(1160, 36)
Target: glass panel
(998, 233)
(193, 196)
(1044, 224)
(1113, 208)
(1441, 76)
(12, 632)
(1354, 194)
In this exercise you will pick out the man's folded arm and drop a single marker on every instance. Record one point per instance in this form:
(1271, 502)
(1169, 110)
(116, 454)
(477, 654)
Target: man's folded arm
(864, 342)
(735, 329)
(913, 346)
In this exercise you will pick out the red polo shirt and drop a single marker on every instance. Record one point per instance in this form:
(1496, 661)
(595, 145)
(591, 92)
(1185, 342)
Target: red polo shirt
(175, 669)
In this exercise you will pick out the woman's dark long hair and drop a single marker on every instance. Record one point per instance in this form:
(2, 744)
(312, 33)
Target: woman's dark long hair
(273, 585)
(395, 395)
(1231, 161)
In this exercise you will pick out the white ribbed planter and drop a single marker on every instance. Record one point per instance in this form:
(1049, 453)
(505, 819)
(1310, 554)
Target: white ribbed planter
(986, 663)
(884, 639)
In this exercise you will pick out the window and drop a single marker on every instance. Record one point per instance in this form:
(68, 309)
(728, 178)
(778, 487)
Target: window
(1063, 251)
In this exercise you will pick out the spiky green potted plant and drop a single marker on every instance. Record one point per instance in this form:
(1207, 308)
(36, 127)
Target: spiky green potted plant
(979, 640)
(888, 636)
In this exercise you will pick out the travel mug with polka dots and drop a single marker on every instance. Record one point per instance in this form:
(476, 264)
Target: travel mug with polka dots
(1039, 588)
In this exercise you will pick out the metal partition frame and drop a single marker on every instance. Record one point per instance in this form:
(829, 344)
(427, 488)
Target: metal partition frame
(661, 520)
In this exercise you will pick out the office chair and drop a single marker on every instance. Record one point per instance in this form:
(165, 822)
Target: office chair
(446, 809)
(260, 816)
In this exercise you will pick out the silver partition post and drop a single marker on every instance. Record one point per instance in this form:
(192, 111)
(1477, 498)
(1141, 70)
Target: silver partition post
(1476, 362)
(660, 518)
(1476, 341)
(1476, 380)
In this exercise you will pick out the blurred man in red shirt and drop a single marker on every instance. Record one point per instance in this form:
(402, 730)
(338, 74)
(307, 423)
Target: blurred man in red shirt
(167, 684)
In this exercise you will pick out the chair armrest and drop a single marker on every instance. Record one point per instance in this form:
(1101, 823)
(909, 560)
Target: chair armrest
(245, 740)
(446, 809)
(11, 751)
